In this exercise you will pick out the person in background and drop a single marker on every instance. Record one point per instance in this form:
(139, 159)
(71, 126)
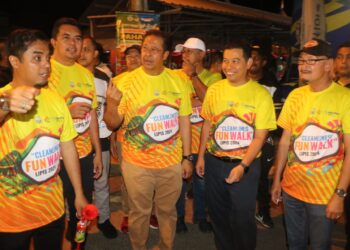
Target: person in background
(36, 129)
(198, 79)
(89, 58)
(238, 114)
(259, 73)
(153, 104)
(342, 73)
(314, 151)
(76, 85)
(214, 63)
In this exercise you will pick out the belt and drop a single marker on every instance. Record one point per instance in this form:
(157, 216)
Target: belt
(227, 159)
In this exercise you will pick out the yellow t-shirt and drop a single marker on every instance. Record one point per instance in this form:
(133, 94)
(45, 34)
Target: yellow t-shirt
(235, 113)
(207, 78)
(76, 84)
(151, 106)
(115, 81)
(317, 121)
(30, 189)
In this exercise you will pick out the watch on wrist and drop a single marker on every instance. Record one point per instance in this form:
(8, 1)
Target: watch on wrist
(187, 157)
(4, 103)
(340, 192)
(245, 167)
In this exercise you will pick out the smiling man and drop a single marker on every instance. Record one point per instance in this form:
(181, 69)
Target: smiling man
(314, 151)
(35, 130)
(154, 109)
(76, 85)
(237, 113)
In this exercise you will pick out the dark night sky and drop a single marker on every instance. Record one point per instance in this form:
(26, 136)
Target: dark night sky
(41, 14)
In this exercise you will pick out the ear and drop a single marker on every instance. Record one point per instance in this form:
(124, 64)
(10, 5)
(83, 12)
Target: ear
(264, 62)
(249, 62)
(95, 54)
(165, 55)
(14, 61)
(329, 65)
(53, 42)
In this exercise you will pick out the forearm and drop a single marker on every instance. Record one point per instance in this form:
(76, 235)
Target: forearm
(199, 87)
(112, 117)
(71, 162)
(185, 132)
(282, 155)
(344, 178)
(204, 138)
(94, 133)
(3, 115)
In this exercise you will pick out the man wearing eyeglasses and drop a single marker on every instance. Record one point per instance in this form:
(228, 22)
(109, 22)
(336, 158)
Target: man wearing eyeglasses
(154, 107)
(316, 126)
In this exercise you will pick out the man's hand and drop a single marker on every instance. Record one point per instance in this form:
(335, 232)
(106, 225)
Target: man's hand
(188, 68)
(186, 169)
(98, 166)
(78, 110)
(196, 102)
(80, 202)
(113, 95)
(235, 174)
(276, 191)
(22, 98)
(335, 207)
(200, 166)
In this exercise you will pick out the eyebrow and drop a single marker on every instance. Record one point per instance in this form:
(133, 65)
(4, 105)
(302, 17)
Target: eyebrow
(38, 52)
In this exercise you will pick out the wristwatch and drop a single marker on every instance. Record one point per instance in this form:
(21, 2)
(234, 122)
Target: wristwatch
(340, 192)
(4, 103)
(187, 157)
(245, 167)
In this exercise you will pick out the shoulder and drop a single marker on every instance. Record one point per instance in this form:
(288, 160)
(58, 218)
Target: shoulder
(101, 75)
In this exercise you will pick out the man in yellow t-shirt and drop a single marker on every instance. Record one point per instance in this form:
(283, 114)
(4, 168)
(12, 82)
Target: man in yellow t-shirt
(198, 79)
(76, 85)
(35, 130)
(155, 110)
(237, 113)
(313, 151)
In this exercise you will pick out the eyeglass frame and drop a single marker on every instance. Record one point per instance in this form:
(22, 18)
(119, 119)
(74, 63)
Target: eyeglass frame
(307, 61)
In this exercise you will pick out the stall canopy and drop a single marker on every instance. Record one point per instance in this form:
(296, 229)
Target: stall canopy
(214, 21)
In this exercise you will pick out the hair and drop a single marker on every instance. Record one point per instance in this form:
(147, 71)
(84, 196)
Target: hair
(344, 45)
(64, 21)
(160, 34)
(240, 45)
(20, 39)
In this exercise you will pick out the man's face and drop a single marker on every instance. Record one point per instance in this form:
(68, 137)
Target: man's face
(133, 59)
(68, 43)
(88, 54)
(192, 56)
(258, 63)
(235, 66)
(342, 62)
(153, 55)
(312, 68)
(34, 65)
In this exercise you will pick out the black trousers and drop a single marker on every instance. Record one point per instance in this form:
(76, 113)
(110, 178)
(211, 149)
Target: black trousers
(267, 158)
(231, 206)
(45, 237)
(87, 178)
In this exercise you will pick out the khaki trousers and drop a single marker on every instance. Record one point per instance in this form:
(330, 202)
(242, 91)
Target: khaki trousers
(163, 186)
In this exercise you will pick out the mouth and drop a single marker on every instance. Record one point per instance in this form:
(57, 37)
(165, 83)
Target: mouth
(44, 75)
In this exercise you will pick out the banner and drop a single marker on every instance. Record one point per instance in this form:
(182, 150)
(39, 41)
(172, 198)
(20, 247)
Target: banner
(132, 25)
(310, 17)
(313, 23)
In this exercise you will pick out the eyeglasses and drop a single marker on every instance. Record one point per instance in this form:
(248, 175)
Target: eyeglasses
(151, 50)
(310, 61)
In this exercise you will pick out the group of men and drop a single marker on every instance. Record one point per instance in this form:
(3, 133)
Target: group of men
(56, 115)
